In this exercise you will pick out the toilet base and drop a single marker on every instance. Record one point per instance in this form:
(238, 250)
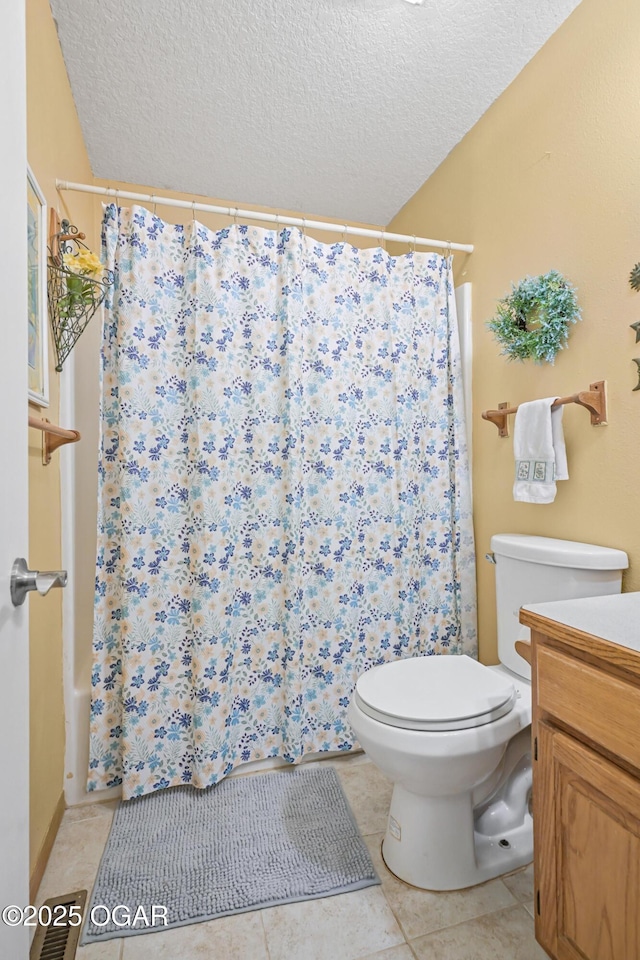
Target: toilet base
(431, 843)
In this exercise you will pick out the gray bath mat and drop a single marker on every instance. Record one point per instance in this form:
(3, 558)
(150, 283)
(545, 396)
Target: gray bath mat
(248, 842)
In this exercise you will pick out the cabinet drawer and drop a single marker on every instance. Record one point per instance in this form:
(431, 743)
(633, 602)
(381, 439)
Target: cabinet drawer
(603, 708)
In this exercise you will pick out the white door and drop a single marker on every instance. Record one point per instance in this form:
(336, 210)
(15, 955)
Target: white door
(14, 624)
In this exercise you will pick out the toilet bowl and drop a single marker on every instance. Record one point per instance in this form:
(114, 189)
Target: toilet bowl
(454, 736)
(441, 763)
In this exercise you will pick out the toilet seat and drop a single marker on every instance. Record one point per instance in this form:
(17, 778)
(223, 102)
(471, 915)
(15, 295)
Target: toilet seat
(435, 693)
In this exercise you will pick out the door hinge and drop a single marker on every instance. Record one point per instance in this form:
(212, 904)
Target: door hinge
(538, 902)
(535, 748)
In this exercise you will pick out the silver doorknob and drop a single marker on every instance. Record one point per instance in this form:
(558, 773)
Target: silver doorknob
(23, 580)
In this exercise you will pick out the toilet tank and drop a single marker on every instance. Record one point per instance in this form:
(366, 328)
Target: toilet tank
(539, 569)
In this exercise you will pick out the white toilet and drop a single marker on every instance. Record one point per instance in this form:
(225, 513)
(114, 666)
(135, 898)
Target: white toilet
(454, 736)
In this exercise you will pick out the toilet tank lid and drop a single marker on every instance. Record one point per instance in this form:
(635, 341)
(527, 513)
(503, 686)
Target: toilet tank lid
(558, 553)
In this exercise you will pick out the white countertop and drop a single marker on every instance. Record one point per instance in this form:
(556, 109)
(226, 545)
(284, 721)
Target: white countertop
(615, 618)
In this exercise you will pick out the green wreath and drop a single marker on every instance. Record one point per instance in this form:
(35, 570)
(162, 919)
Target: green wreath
(533, 320)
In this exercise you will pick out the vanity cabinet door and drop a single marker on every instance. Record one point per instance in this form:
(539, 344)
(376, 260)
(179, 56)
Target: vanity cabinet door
(588, 852)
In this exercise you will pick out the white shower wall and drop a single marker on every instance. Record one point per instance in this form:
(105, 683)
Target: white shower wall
(79, 405)
(79, 408)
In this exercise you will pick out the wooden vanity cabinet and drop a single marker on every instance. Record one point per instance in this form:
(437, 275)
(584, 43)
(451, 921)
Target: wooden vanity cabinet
(586, 793)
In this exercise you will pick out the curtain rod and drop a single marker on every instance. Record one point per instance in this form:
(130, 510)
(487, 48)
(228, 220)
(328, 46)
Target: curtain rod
(265, 217)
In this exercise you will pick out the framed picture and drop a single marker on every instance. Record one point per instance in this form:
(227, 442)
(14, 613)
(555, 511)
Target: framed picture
(37, 293)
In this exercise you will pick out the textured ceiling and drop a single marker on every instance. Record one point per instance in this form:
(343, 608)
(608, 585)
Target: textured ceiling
(340, 108)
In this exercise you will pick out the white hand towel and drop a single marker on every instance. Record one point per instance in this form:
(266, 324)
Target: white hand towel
(539, 450)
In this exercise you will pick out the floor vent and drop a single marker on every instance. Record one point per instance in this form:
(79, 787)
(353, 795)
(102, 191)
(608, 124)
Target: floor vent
(58, 939)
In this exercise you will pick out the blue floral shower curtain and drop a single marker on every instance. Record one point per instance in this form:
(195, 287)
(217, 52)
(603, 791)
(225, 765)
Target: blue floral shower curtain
(283, 493)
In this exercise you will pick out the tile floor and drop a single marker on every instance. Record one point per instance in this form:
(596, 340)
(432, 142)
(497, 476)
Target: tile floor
(389, 922)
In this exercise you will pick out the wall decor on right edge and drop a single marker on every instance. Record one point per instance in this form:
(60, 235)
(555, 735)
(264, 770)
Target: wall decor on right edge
(634, 282)
(532, 322)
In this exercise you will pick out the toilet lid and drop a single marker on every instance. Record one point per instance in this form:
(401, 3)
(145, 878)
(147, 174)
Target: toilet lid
(445, 692)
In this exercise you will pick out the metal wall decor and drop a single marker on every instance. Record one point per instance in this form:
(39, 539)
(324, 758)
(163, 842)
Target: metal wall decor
(77, 284)
(634, 281)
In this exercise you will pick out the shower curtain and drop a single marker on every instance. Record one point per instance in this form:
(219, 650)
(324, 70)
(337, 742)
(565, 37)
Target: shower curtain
(283, 493)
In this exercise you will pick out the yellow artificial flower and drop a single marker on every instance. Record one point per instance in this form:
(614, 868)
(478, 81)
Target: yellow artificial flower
(84, 263)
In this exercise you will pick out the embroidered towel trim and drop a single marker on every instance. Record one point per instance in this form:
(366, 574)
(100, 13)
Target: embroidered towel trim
(539, 450)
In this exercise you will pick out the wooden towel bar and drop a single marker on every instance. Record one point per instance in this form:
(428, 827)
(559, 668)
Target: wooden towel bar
(594, 400)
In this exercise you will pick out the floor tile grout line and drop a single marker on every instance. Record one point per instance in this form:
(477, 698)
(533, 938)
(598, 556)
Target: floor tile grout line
(379, 953)
(461, 923)
(475, 916)
(389, 904)
(527, 912)
(264, 935)
(413, 953)
(512, 895)
(394, 914)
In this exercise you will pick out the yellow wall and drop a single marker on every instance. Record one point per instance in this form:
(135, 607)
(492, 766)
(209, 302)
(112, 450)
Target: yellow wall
(55, 146)
(549, 179)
